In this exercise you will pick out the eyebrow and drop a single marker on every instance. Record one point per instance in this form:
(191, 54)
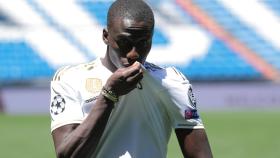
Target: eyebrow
(140, 27)
(138, 38)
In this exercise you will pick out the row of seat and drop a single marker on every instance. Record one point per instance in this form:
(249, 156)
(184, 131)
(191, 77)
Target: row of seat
(220, 63)
(245, 34)
(274, 5)
(19, 62)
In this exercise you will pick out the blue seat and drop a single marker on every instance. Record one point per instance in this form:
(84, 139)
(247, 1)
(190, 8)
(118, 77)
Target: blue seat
(19, 62)
(242, 32)
(220, 63)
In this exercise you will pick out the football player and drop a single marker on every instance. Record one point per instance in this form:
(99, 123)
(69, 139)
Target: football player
(121, 105)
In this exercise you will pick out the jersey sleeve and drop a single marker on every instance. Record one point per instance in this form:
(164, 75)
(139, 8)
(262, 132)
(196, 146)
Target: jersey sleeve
(65, 106)
(180, 101)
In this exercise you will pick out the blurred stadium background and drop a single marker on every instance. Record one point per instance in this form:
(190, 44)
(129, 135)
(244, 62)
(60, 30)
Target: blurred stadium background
(229, 50)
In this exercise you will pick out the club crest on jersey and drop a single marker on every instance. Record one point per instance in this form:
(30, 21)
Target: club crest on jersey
(93, 85)
(192, 98)
(58, 105)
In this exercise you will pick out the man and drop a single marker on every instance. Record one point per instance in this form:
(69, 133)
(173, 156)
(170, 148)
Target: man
(121, 106)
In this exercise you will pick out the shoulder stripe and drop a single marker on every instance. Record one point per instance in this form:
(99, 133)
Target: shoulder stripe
(60, 72)
(83, 66)
(179, 73)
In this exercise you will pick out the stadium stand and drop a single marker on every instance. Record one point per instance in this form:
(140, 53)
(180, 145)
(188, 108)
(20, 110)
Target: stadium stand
(211, 16)
(220, 63)
(274, 5)
(214, 41)
(22, 61)
(246, 35)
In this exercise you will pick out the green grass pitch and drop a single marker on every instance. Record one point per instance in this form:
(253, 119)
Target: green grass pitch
(231, 135)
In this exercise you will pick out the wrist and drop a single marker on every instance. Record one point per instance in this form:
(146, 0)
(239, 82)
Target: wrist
(109, 94)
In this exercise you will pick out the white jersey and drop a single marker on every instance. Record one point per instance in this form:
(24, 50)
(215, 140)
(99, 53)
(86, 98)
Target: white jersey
(141, 121)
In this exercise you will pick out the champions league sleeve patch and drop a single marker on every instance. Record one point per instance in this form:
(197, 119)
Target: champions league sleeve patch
(191, 114)
(58, 105)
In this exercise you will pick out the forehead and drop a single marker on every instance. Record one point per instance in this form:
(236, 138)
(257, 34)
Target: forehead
(130, 26)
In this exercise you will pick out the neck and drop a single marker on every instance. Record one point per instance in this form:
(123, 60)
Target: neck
(106, 61)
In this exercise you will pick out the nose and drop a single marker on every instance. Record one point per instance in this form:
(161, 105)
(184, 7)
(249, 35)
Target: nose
(132, 55)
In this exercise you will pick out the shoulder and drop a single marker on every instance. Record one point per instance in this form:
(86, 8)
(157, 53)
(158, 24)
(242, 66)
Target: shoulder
(175, 74)
(165, 73)
(74, 71)
(152, 67)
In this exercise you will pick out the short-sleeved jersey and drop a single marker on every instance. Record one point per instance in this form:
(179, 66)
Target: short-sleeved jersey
(141, 121)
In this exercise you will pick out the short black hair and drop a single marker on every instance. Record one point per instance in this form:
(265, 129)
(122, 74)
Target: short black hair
(133, 9)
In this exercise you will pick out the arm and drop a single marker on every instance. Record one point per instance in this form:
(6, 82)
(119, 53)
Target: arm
(79, 140)
(75, 140)
(184, 115)
(194, 143)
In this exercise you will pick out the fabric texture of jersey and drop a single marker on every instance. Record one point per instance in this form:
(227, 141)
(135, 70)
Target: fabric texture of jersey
(141, 122)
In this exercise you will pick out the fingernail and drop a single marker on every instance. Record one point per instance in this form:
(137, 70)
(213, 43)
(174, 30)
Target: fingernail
(135, 63)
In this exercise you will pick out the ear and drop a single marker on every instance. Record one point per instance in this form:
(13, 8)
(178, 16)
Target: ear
(105, 36)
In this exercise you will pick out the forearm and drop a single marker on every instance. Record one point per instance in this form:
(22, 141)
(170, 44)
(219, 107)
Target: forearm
(194, 143)
(87, 134)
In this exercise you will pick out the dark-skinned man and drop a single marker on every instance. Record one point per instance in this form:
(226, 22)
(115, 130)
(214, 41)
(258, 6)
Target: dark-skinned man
(121, 106)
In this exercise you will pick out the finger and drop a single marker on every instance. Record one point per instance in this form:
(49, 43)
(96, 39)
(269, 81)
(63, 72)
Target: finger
(132, 70)
(135, 78)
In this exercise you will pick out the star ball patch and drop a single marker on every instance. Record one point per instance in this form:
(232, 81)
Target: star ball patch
(192, 98)
(58, 105)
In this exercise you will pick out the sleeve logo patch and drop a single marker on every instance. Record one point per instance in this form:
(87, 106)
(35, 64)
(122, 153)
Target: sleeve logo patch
(192, 98)
(58, 105)
(191, 114)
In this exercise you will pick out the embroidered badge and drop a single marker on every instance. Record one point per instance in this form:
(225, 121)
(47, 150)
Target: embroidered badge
(58, 105)
(191, 114)
(93, 85)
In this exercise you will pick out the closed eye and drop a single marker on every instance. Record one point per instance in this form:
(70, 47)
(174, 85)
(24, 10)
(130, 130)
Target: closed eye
(124, 45)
